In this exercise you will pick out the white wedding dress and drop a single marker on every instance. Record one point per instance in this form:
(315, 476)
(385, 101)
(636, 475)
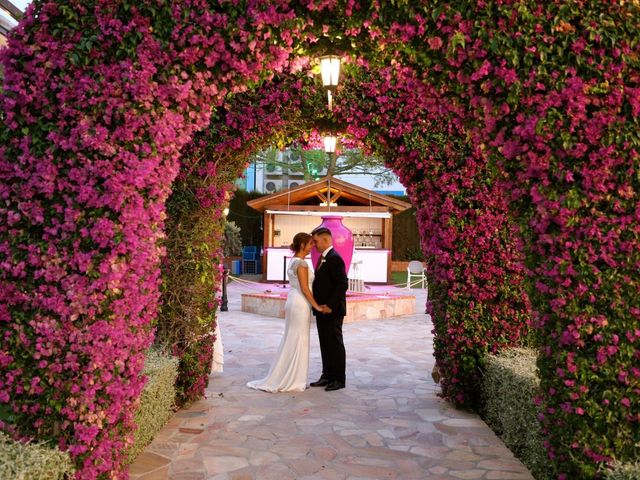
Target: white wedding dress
(289, 371)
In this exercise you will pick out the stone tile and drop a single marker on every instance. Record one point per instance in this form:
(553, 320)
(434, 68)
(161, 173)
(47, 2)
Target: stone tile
(165, 449)
(491, 451)
(290, 450)
(325, 474)
(243, 474)
(262, 457)
(160, 474)
(274, 471)
(224, 464)
(324, 454)
(457, 465)
(353, 469)
(305, 466)
(438, 470)
(463, 456)
(187, 476)
(510, 465)
(148, 462)
(497, 475)
(187, 465)
(467, 474)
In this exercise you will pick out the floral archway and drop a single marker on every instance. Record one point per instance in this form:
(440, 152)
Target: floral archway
(522, 106)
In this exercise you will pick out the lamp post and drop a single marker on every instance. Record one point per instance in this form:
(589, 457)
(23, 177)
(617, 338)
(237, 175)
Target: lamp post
(330, 149)
(224, 301)
(330, 72)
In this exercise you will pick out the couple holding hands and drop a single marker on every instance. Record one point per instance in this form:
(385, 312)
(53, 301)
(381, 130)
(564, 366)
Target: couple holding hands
(321, 292)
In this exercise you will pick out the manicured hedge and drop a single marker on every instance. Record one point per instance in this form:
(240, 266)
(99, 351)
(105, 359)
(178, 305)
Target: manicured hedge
(510, 385)
(33, 461)
(623, 471)
(157, 401)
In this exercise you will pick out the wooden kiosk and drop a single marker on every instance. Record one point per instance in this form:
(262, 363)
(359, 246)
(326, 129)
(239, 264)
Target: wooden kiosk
(369, 216)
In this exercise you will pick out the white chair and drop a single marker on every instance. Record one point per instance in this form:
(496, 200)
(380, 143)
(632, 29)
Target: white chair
(415, 269)
(356, 284)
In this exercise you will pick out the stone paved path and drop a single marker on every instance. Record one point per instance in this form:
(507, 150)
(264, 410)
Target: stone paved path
(388, 423)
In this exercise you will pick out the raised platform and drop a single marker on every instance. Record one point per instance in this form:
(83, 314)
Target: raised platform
(359, 306)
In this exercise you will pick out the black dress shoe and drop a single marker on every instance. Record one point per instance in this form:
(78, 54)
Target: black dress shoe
(323, 382)
(334, 386)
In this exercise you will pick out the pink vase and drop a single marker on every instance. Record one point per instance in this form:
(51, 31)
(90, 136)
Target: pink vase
(342, 239)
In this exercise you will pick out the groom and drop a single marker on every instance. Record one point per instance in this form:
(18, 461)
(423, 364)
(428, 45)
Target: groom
(329, 290)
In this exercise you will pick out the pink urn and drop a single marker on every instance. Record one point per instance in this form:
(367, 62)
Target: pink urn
(342, 239)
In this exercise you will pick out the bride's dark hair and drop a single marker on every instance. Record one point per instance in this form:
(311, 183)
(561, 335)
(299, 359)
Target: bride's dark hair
(299, 240)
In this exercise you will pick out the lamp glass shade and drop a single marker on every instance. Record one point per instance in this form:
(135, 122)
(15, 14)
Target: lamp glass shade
(330, 70)
(330, 144)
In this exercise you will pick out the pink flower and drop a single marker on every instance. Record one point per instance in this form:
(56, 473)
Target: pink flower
(435, 43)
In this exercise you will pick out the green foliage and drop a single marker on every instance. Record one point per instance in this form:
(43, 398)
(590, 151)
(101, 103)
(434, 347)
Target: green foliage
(19, 461)
(509, 386)
(311, 163)
(157, 400)
(232, 240)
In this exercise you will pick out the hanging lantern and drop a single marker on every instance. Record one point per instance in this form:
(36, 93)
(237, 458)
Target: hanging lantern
(330, 70)
(330, 144)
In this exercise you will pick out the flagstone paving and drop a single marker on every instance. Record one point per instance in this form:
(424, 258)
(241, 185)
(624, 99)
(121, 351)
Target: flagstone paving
(389, 423)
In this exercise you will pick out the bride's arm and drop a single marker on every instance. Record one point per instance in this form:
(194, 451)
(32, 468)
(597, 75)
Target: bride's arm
(303, 278)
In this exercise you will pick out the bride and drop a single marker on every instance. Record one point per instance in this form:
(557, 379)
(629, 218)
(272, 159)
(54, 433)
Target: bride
(288, 373)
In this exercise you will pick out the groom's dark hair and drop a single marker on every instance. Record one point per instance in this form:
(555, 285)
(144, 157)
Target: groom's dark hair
(321, 231)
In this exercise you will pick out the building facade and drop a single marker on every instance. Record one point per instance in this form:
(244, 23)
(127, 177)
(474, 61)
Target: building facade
(270, 178)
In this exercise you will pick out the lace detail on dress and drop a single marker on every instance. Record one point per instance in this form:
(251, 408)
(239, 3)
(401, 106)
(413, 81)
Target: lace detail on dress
(292, 271)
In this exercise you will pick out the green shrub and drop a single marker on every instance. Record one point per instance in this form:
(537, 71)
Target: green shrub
(232, 240)
(20, 461)
(623, 471)
(509, 385)
(157, 399)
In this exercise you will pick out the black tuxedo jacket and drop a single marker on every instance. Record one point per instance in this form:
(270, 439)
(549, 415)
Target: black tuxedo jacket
(330, 284)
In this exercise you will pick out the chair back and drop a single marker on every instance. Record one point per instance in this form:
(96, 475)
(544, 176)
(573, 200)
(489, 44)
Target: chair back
(415, 267)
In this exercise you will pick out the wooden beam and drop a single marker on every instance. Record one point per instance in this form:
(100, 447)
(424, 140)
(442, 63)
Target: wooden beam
(266, 241)
(318, 208)
(12, 9)
(354, 193)
(387, 225)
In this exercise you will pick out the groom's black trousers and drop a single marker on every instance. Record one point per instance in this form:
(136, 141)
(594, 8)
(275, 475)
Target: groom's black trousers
(331, 347)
